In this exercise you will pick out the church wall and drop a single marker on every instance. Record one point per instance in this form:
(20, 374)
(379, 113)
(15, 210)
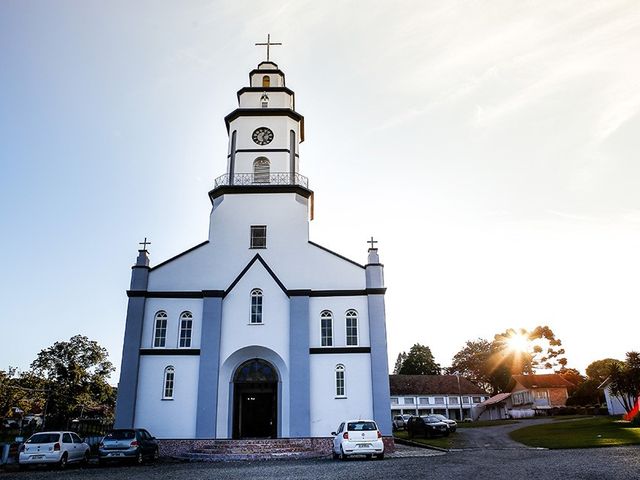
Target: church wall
(327, 411)
(338, 307)
(174, 308)
(276, 100)
(167, 418)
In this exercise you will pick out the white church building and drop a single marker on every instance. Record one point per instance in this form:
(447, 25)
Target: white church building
(257, 332)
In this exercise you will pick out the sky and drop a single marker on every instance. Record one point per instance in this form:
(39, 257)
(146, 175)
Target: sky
(490, 148)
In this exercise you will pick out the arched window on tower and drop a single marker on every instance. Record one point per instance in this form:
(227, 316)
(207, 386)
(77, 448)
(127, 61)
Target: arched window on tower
(266, 81)
(340, 381)
(186, 327)
(326, 328)
(160, 330)
(256, 306)
(261, 170)
(352, 327)
(169, 380)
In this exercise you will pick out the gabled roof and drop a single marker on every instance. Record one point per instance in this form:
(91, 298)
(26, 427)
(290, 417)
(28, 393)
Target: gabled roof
(501, 397)
(257, 257)
(550, 380)
(432, 384)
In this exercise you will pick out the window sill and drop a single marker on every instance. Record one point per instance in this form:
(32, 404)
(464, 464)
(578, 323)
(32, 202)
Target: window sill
(342, 397)
(167, 399)
(255, 324)
(257, 248)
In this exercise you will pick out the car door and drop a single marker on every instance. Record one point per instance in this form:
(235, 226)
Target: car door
(337, 440)
(69, 447)
(78, 445)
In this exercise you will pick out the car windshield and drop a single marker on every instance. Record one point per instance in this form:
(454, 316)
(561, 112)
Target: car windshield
(120, 435)
(44, 438)
(440, 417)
(360, 426)
(430, 419)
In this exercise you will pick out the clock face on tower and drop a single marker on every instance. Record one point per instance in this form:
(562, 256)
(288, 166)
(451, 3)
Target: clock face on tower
(262, 136)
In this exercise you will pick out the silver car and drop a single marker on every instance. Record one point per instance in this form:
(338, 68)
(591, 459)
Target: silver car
(59, 448)
(452, 424)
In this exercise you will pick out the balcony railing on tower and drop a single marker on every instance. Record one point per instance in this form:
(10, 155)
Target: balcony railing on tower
(266, 179)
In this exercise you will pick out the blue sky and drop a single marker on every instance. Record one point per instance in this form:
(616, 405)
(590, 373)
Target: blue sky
(490, 147)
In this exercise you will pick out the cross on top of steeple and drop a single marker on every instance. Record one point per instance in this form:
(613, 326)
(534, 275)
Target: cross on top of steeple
(144, 244)
(268, 44)
(372, 242)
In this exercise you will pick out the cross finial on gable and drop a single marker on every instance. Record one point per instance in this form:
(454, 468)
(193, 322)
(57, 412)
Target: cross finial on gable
(144, 244)
(372, 242)
(268, 44)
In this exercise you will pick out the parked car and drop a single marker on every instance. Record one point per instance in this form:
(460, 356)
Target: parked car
(128, 444)
(399, 422)
(452, 424)
(357, 437)
(58, 448)
(426, 426)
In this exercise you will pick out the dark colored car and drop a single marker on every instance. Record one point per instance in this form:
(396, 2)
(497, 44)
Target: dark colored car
(128, 444)
(452, 424)
(426, 426)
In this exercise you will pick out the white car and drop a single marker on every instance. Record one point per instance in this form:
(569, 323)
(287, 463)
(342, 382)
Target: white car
(357, 437)
(54, 448)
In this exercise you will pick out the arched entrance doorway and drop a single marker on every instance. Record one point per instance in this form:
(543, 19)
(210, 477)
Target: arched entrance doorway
(255, 400)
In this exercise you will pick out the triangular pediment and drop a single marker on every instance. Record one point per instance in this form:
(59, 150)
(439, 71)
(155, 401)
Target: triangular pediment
(256, 258)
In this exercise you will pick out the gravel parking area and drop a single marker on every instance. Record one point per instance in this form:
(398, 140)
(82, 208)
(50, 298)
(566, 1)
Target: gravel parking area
(619, 463)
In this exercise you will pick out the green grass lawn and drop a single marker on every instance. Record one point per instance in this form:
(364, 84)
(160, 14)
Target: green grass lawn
(442, 442)
(485, 423)
(579, 433)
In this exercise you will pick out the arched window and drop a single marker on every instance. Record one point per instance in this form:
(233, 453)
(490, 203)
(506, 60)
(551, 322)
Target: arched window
(160, 330)
(326, 328)
(340, 383)
(256, 306)
(266, 81)
(169, 379)
(186, 326)
(261, 167)
(352, 327)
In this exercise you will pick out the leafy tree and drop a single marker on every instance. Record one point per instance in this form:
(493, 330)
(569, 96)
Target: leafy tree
(601, 369)
(402, 356)
(587, 393)
(75, 373)
(20, 389)
(625, 380)
(420, 361)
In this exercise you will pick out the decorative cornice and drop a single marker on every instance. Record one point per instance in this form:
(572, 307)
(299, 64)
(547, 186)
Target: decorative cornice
(266, 112)
(288, 293)
(340, 350)
(235, 189)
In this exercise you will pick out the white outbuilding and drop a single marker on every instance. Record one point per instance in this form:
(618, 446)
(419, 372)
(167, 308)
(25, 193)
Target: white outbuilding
(257, 332)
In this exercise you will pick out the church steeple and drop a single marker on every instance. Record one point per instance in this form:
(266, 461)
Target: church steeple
(265, 132)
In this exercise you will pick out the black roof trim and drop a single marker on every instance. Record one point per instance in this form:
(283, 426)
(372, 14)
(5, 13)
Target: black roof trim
(340, 350)
(233, 189)
(257, 257)
(148, 294)
(265, 89)
(180, 254)
(270, 70)
(169, 351)
(336, 254)
(263, 112)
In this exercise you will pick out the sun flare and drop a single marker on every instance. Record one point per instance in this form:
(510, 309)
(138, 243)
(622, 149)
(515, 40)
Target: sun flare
(518, 342)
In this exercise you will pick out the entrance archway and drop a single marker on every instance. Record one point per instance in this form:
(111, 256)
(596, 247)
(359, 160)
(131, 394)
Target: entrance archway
(255, 400)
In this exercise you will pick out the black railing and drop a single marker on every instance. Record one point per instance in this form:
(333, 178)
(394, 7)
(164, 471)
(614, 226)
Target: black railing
(266, 179)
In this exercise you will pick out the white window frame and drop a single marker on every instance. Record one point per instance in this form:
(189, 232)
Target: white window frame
(340, 381)
(169, 382)
(326, 340)
(255, 317)
(351, 314)
(184, 341)
(160, 341)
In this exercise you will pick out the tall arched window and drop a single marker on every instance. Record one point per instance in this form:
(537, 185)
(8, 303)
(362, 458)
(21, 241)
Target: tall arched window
(261, 170)
(326, 328)
(340, 382)
(160, 330)
(352, 327)
(169, 380)
(266, 81)
(256, 306)
(186, 326)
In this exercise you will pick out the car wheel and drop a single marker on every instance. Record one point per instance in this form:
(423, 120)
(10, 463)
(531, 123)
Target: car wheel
(85, 460)
(156, 454)
(343, 457)
(368, 456)
(62, 463)
(380, 456)
(139, 458)
(335, 455)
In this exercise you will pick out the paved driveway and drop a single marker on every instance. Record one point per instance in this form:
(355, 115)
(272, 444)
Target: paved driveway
(493, 437)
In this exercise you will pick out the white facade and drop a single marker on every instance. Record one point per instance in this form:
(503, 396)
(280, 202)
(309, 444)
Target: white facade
(199, 361)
